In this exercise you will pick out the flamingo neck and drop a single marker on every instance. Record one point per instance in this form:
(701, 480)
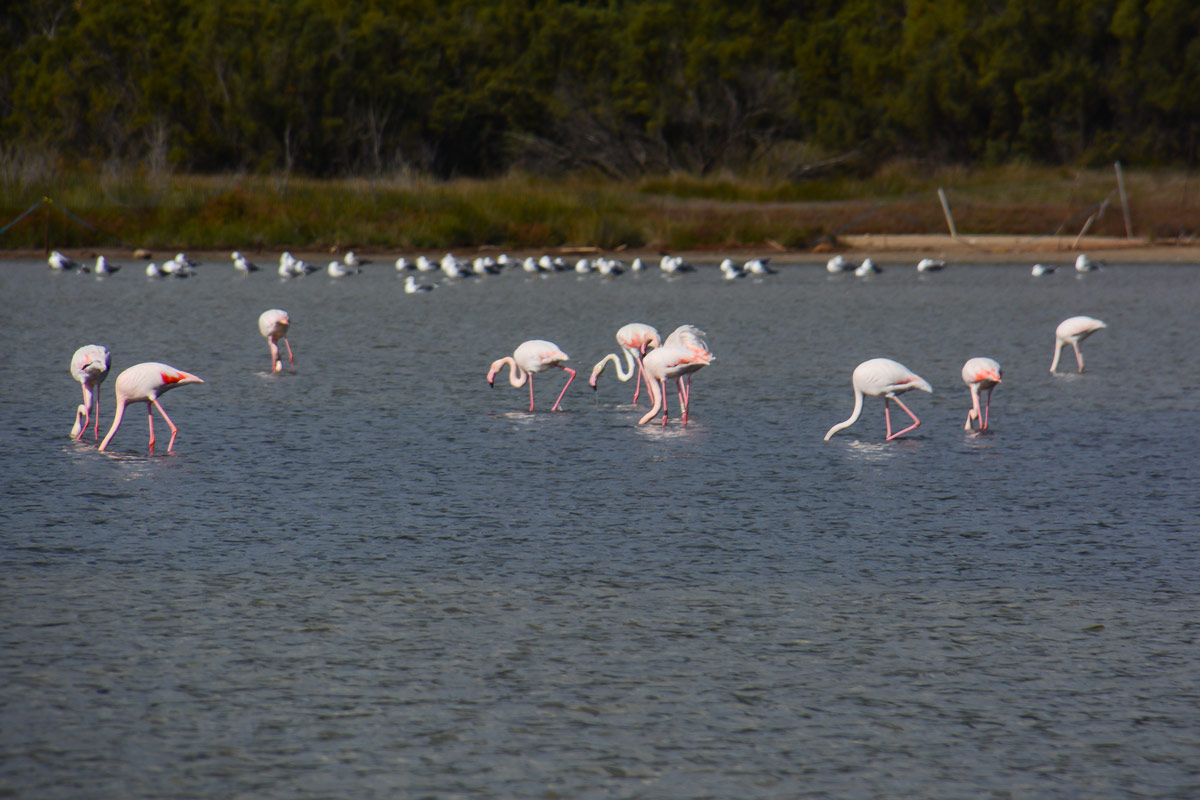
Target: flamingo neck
(656, 396)
(516, 375)
(858, 407)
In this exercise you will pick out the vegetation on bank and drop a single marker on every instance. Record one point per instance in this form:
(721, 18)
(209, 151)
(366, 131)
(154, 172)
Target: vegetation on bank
(623, 89)
(675, 212)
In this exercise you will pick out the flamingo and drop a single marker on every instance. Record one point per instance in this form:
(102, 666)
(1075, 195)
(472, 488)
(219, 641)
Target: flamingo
(1072, 331)
(980, 374)
(274, 324)
(535, 355)
(692, 338)
(143, 383)
(676, 360)
(634, 339)
(89, 366)
(883, 377)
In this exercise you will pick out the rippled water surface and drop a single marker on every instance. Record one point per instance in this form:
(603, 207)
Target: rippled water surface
(379, 578)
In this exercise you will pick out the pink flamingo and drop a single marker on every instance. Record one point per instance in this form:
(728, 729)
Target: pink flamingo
(692, 338)
(980, 374)
(634, 338)
(535, 355)
(274, 325)
(89, 366)
(143, 383)
(1072, 331)
(675, 361)
(883, 377)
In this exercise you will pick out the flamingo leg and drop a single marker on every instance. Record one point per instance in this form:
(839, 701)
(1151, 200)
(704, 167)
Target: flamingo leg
(1078, 355)
(174, 430)
(664, 401)
(986, 408)
(96, 431)
(973, 414)
(564, 389)
(531, 393)
(150, 420)
(916, 422)
(291, 361)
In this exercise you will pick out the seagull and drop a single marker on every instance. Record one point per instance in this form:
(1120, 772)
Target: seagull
(929, 265)
(1041, 269)
(1085, 264)
(758, 266)
(638, 265)
(531, 265)
(176, 268)
(412, 287)
(867, 267)
(452, 268)
(425, 265)
(675, 264)
(403, 265)
(583, 266)
(336, 269)
(351, 260)
(609, 267)
(153, 270)
(242, 264)
(837, 264)
(731, 271)
(103, 268)
(58, 261)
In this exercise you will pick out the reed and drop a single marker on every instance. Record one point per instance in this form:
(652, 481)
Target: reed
(671, 212)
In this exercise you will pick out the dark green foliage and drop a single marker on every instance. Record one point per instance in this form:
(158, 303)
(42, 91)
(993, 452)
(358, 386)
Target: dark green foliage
(622, 89)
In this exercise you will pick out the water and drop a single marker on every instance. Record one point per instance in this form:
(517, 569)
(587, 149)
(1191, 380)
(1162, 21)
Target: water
(380, 578)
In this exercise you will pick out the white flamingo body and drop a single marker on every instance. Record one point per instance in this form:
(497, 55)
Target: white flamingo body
(274, 324)
(980, 375)
(883, 377)
(89, 366)
(1072, 331)
(635, 339)
(145, 383)
(535, 355)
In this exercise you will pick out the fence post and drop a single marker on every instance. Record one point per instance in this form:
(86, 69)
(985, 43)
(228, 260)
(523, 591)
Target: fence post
(1124, 200)
(946, 211)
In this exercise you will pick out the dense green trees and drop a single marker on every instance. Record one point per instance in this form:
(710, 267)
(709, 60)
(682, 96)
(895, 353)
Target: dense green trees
(461, 87)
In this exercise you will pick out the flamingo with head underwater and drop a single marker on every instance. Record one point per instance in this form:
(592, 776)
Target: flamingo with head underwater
(635, 339)
(535, 355)
(274, 324)
(1072, 331)
(883, 377)
(89, 366)
(144, 383)
(980, 374)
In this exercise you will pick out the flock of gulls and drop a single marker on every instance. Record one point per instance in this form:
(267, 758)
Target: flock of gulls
(644, 356)
(454, 267)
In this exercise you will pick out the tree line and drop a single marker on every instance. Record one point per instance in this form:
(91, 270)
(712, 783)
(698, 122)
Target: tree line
(476, 88)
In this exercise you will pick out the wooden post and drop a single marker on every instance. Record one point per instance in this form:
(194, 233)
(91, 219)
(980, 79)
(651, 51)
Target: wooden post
(946, 211)
(1124, 200)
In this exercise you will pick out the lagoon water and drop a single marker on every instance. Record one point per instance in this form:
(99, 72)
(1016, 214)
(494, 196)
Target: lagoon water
(379, 578)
